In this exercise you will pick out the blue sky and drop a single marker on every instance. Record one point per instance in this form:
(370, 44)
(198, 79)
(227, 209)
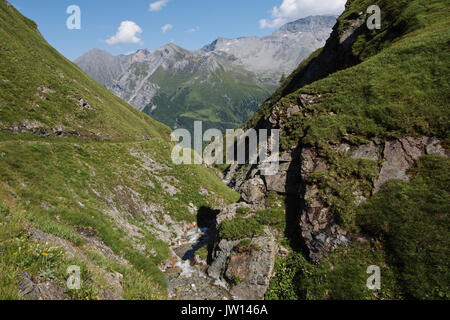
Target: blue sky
(151, 24)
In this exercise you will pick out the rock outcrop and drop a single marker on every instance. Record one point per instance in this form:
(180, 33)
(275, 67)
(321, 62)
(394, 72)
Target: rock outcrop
(310, 157)
(320, 231)
(253, 191)
(245, 265)
(247, 269)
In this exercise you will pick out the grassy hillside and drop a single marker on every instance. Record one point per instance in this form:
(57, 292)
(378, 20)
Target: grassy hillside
(222, 99)
(385, 84)
(409, 224)
(91, 172)
(399, 84)
(39, 85)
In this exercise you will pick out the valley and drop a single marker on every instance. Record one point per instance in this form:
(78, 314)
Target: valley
(87, 178)
(221, 84)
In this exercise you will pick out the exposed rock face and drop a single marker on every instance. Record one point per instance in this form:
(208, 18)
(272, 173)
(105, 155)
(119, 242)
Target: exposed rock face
(228, 213)
(368, 151)
(253, 191)
(279, 52)
(221, 253)
(287, 180)
(400, 155)
(319, 229)
(251, 269)
(32, 290)
(246, 269)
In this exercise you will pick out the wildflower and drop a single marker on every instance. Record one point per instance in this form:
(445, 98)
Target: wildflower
(44, 253)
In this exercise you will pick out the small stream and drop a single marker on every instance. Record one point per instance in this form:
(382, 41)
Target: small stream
(186, 277)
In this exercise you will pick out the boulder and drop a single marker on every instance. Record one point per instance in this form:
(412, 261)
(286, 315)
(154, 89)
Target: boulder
(253, 191)
(249, 269)
(368, 151)
(31, 289)
(246, 269)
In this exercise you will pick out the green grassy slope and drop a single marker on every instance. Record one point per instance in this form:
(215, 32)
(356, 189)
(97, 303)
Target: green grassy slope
(28, 64)
(65, 168)
(399, 85)
(222, 99)
(409, 224)
(387, 84)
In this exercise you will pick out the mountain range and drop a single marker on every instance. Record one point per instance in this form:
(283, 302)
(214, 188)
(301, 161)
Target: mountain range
(358, 209)
(221, 84)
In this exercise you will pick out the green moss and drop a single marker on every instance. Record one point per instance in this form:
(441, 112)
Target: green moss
(240, 228)
(202, 252)
(242, 211)
(274, 218)
(274, 200)
(341, 276)
(245, 243)
(412, 220)
(235, 281)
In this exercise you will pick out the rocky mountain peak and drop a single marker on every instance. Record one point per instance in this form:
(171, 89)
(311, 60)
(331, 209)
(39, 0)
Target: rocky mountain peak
(233, 63)
(139, 56)
(309, 24)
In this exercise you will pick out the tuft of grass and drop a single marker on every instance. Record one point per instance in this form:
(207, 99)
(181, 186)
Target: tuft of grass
(240, 228)
(202, 252)
(274, 218)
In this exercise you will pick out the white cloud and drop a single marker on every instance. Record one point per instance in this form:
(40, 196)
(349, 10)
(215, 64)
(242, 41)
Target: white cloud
(158, 5)
(128, 32)
(193, 30)
(290, 10)
(166, 28)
